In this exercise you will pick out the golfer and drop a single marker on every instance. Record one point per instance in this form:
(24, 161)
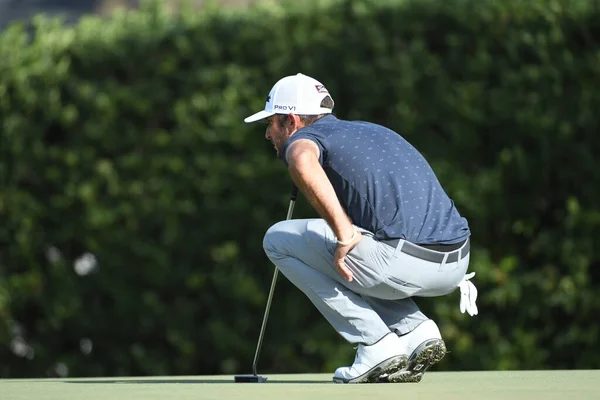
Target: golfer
(388, 233)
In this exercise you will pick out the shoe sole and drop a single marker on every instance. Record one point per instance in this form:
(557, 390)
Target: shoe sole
(388, 367)
(427, 354)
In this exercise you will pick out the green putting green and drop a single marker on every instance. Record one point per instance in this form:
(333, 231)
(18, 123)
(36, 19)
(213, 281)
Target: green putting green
(511, 385)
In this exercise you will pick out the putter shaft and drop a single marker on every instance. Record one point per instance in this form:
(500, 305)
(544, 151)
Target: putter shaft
(293, 197)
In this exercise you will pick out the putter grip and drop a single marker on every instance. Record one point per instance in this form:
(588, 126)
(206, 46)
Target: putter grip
(294, 193)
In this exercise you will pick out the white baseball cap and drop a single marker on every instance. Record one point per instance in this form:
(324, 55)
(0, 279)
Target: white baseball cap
(297, 94)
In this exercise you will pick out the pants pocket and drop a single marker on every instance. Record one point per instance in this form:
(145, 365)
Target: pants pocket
(398, 282)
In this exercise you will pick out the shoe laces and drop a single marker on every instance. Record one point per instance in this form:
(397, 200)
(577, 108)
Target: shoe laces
(358, 349)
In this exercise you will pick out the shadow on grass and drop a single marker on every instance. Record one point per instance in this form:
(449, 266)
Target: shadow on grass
(179, 381)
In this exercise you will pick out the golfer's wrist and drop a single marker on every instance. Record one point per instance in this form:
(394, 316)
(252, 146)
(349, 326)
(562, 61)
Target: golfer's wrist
(349, 239)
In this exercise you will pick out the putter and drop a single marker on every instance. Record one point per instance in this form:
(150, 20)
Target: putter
(254, 378)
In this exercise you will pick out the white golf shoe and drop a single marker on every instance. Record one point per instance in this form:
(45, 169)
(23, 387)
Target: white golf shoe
(386, 357)
(426, 348)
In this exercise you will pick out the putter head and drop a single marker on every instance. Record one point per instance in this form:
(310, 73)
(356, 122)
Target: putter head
(250, 379)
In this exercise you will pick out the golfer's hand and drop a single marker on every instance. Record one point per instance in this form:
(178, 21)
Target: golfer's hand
(340, 255)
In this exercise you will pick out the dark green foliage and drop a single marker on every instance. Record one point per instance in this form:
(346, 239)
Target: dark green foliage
(123, 138)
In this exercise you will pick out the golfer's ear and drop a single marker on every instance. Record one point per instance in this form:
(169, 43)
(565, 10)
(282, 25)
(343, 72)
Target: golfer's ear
(291, 120)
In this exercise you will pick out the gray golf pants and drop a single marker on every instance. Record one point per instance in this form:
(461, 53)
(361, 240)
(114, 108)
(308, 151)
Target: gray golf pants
(378, 300)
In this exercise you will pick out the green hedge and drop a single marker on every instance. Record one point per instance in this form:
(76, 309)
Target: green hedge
(123, 139)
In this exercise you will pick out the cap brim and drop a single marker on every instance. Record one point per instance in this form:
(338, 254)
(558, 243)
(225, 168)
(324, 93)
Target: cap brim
(258, 116)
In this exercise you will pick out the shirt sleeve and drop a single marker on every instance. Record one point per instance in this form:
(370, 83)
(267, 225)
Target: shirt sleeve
(312, 135)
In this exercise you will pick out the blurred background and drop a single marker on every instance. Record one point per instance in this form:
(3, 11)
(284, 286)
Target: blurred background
(72, 10)
(134, 200)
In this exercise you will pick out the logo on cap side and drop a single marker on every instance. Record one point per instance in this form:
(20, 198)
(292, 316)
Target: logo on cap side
(321, 89)
(284, 108)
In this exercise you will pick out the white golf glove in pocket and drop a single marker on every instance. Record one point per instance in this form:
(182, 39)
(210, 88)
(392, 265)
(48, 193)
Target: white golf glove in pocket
(468, 295)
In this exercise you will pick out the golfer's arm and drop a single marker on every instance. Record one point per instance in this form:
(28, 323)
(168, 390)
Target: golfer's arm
(307, 173)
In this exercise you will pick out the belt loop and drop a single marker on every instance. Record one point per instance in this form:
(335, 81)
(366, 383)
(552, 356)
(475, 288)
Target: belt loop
(399, 247)
(443, 261)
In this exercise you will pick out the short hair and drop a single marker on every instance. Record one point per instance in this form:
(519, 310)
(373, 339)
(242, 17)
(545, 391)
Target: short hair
(327, 102)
